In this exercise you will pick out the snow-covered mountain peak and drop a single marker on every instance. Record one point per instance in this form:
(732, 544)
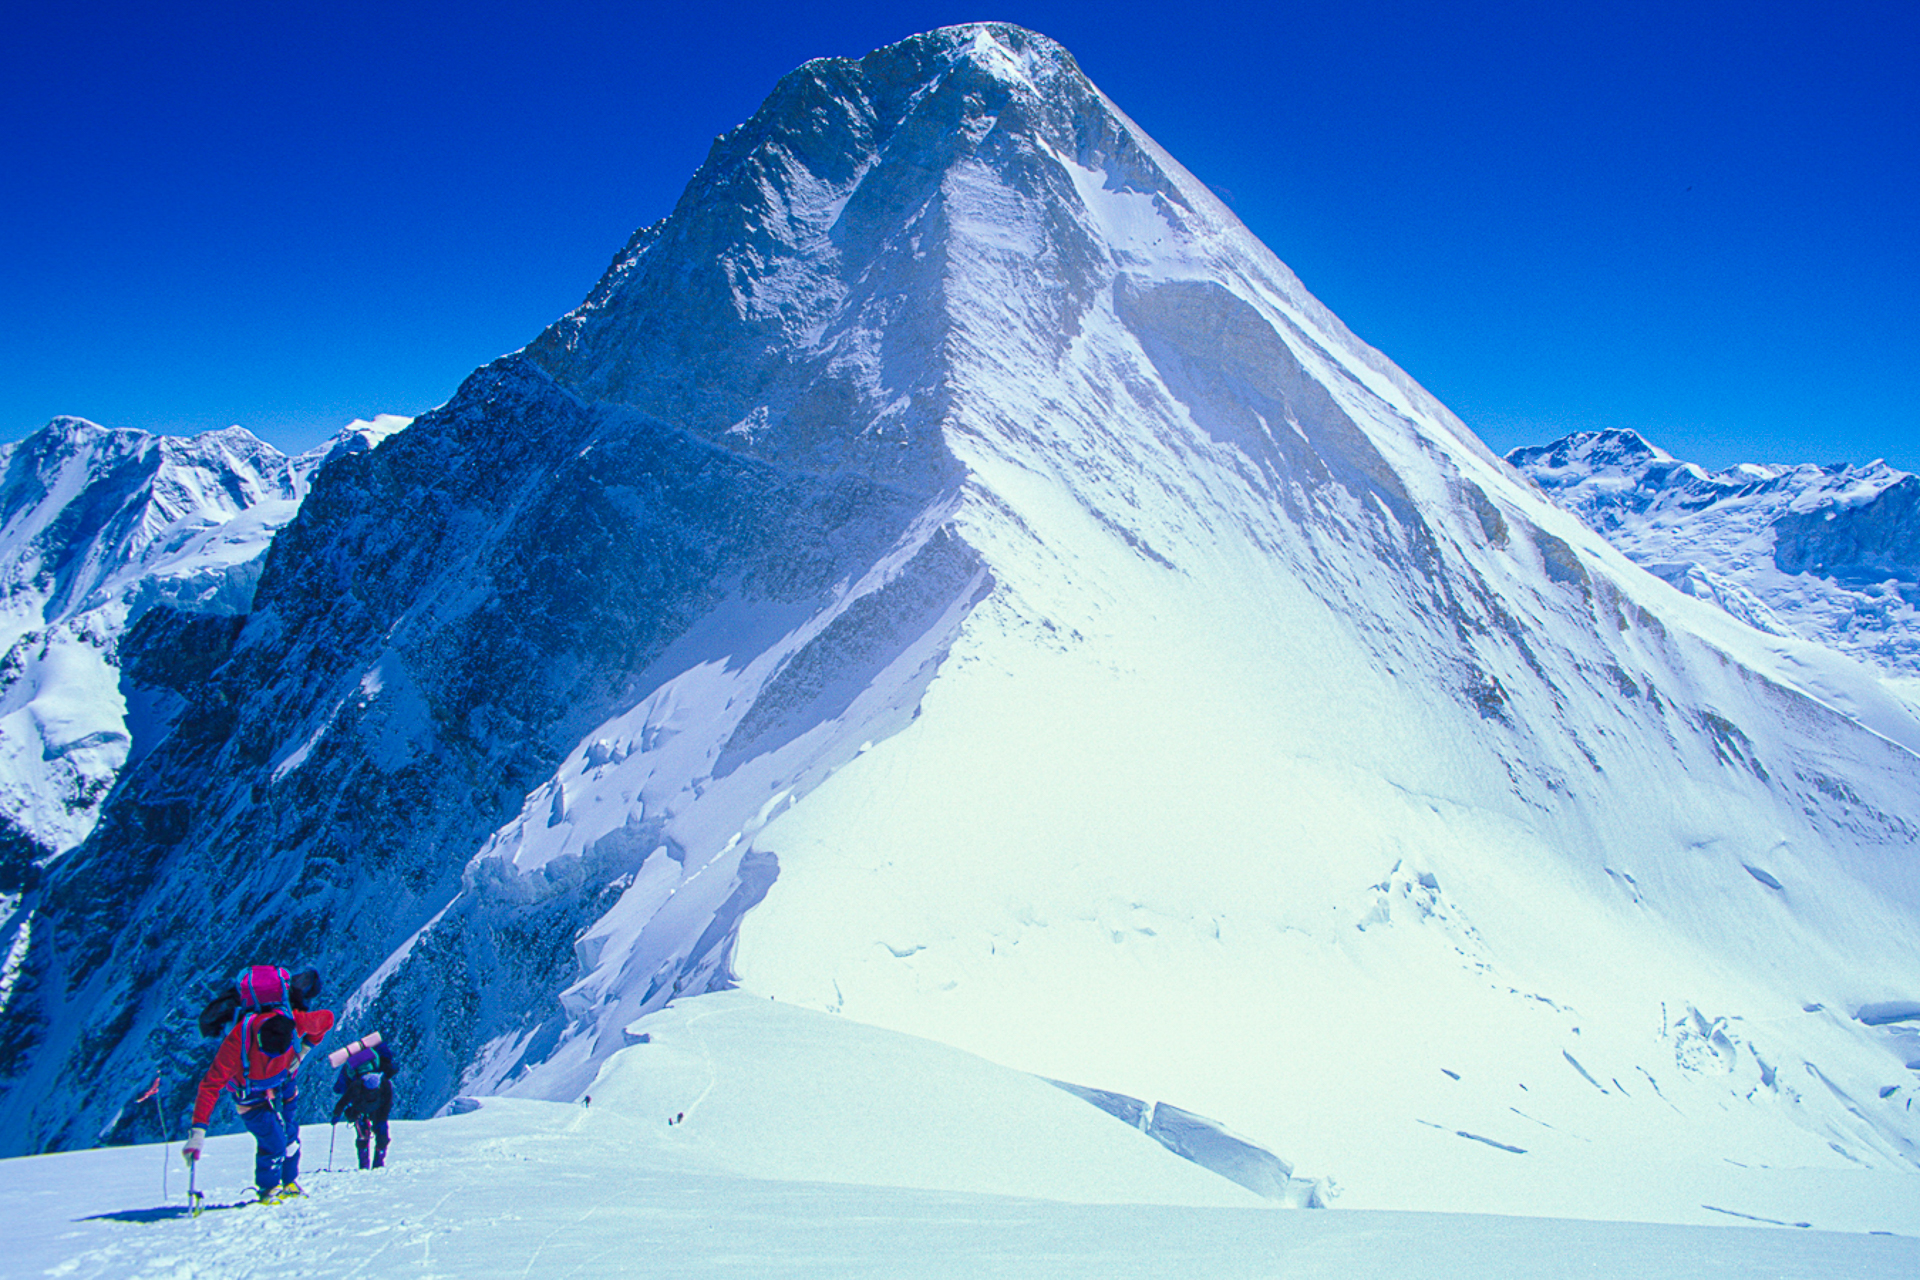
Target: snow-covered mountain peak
(1588, 453)
(1581, 467)
(1013, 54)
(364, 433)
(828, 251)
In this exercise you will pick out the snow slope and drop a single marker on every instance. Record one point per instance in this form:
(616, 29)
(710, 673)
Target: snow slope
(949, 574)
(1174, 817)
(877, 1154)
(1825, 553)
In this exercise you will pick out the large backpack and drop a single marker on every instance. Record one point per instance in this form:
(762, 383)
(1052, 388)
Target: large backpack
(259, 988)
(263, 987)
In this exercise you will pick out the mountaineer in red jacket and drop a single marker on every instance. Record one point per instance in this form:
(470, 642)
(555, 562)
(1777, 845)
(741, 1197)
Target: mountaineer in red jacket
(260, 1061)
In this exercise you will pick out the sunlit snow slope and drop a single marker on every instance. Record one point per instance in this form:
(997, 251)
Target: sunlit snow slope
(1300, 756)
(950, 574)
(748, 1138)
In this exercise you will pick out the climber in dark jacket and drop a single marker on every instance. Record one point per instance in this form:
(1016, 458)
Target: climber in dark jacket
(365, 1086)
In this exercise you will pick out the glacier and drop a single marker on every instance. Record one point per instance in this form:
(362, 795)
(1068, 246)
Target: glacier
(950, 575)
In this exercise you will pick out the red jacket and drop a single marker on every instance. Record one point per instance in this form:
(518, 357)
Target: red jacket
(226, 1073)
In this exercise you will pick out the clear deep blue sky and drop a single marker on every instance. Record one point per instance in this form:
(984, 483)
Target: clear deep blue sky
(1699, 220)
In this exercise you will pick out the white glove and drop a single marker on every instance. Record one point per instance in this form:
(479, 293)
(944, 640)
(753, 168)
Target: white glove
(196, 1141)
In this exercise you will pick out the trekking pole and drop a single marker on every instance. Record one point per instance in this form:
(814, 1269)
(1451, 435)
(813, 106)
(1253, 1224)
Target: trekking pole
(333, 1132)
(193, 1196)
(166, 1152)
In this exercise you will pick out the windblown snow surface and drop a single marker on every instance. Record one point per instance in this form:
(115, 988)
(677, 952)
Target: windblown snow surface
(950, 576)
(753, 1139)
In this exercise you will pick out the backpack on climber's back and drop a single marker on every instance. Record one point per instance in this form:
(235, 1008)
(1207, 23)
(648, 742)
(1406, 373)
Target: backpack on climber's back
(259, 988)
(263, 987)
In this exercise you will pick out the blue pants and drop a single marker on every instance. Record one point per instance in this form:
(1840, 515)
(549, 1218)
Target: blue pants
(276, 1133)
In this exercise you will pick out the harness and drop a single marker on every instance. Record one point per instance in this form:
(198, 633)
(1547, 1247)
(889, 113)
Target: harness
(255, 1091)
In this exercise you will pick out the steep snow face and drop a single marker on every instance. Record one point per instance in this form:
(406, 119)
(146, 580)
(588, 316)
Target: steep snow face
(1825, 553)
(950, 574)
(1306, 765)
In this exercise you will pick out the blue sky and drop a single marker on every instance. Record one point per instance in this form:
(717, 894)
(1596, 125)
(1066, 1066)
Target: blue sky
(1698, 220)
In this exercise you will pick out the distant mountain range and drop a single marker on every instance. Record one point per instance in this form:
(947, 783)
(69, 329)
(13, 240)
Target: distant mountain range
(1827, 553)
(97, 528)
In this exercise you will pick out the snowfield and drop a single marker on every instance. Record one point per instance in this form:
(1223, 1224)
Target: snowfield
(752, 1139)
